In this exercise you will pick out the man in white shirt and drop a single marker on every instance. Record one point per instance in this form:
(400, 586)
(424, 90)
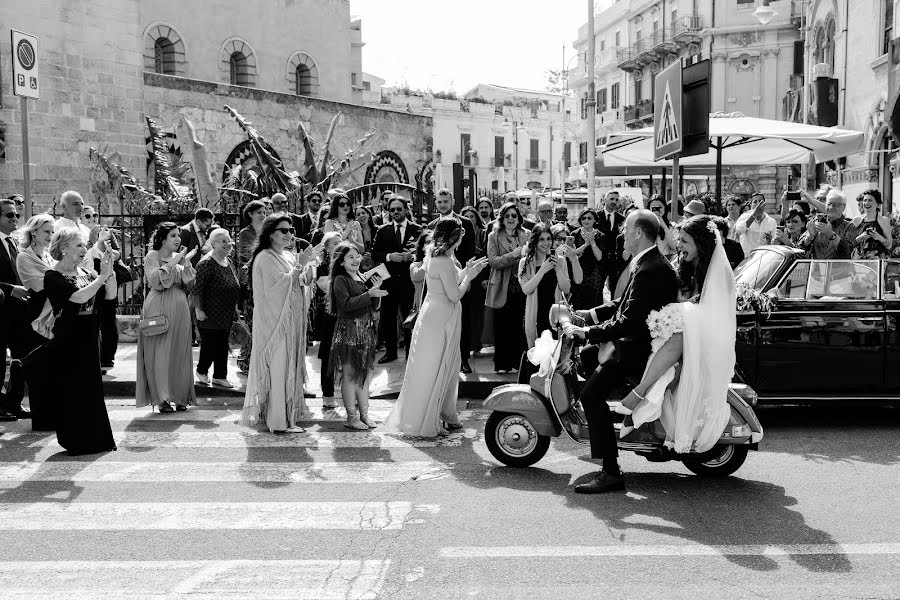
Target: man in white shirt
(755, 228)
(73, 209)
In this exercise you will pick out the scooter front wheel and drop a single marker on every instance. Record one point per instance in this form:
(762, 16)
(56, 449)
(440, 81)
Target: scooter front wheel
(513, 440)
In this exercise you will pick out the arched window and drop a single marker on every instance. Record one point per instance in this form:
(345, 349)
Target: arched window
(304, 80)
(238, 69)
(302, 74)
(164, 56)
(829, 44)
(164, 51)
(238, 63)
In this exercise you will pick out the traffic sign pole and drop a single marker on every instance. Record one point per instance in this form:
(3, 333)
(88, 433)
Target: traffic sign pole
(26, 159)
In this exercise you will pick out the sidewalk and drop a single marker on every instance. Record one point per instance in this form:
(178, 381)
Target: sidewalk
(119, 382)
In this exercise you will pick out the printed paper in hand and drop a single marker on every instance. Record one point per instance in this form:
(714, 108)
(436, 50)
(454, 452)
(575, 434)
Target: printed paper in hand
(379, 270)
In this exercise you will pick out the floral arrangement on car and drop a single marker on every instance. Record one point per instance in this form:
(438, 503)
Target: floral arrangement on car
(750, 299)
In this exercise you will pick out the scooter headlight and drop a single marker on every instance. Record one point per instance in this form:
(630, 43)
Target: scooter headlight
(745, 392)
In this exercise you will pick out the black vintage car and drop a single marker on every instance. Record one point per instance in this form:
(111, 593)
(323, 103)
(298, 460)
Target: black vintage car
(832, 334)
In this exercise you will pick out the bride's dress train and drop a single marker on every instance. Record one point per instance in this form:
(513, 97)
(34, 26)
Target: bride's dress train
(695, 411)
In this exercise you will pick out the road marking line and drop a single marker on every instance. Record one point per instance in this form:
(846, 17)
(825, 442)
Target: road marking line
(156, 516)
(231, 472)
(667, 550)
(206, 580)
(253, 439)
(120, 417)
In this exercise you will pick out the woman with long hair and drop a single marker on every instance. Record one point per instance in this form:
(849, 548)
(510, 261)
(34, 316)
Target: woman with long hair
(366, 221)
(353, 348)
(733, 212)
(255, 213)
(431, 384)
(588, 243)
(685, 384)
(278, 281)
(325, 325)
(544, 277)
(342, 219)
(477, 289)
(504, 293)
(165, 361)
(873, 229)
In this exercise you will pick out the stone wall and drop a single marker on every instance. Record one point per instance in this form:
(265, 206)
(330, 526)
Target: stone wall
(91, 78)
(276, 117)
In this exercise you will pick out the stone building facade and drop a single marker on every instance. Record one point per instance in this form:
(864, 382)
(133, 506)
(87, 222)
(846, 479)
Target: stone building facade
(107, 64)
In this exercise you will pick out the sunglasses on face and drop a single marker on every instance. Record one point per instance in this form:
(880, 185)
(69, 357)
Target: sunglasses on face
(397, 209)
(657, 209)
(88, 216)
(11, 215)
(343, 204)
(285, 230)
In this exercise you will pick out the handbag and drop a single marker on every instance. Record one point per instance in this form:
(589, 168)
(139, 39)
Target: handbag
(123, 273)
(155, 325)
(410, 321)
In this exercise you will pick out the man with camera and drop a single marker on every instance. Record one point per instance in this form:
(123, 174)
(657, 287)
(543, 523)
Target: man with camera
(829, 234)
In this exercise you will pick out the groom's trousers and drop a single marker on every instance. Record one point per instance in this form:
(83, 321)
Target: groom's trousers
(597, 388)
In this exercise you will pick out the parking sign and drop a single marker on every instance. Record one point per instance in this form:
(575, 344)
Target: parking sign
(25, 65)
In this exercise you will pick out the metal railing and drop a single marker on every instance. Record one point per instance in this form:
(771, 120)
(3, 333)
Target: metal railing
(536, 164)
(501, 161)
(467, 160)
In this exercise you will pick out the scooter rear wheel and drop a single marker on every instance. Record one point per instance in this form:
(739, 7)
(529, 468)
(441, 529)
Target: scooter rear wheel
(723, 464)
(513, 440)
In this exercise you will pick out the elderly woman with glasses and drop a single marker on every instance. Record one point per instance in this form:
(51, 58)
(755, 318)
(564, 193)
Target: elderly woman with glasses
(216, 290)
(342, 219)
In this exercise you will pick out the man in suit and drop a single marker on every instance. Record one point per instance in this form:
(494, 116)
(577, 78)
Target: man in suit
(394, 245)
(610, 225)
(306, 223)
(384, 217)
(653, 284)
(194, 234)
(12, 316)
(444, 204)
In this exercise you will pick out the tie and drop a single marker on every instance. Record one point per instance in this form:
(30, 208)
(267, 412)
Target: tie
(612, 220)
(13, 253)
(399, 237)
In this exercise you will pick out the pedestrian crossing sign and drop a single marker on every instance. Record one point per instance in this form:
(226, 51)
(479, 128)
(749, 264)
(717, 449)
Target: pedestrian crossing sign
(667, 123)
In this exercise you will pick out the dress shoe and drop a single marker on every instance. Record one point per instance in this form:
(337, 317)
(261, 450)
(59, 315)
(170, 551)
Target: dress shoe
(387, 358)
(465, 368)
(601, 484)
(7, 416)
(21, 413)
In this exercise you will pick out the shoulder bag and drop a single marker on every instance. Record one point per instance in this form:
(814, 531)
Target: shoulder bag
(155, 325)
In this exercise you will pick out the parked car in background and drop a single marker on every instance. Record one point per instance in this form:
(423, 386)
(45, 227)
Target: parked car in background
(832, 334)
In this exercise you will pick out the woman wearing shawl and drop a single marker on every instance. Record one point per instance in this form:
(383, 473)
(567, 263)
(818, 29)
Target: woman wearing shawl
(279, 282)
(32, 263)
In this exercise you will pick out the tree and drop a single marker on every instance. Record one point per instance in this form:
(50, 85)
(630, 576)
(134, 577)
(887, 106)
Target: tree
(558, 82)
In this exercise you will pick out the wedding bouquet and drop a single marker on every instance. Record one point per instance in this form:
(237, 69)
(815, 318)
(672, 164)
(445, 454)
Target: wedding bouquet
(665, 323)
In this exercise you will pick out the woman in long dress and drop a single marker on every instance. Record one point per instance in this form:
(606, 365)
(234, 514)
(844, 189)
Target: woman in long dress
(588, 241)
(430, 387)
(32, 263)
(278, 280)
(685, 384)
(165, 361)
(255, 212)
(82, 424)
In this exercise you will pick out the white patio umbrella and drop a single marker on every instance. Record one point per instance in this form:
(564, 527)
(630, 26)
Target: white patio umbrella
(741, 140)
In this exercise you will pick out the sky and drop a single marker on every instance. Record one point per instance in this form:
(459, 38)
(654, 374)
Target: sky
(455, 45)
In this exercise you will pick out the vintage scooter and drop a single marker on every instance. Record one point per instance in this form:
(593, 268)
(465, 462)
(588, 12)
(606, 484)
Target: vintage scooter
(526, 416)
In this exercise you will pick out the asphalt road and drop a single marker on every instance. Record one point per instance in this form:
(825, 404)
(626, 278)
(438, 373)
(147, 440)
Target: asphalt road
(195, 506)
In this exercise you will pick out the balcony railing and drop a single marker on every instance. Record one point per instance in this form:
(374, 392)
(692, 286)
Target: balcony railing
(501, 161)
(625, 58)
(654, 46)
(630, 114)
(536, 164)
(645, 109)
(467, 160)
(686, 29)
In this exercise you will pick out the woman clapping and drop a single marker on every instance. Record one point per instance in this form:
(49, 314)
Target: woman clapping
(278, 280)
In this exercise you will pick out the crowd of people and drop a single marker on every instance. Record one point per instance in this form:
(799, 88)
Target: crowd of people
(358, 281)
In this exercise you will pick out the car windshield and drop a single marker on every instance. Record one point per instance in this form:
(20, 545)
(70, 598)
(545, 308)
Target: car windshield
(758, 268)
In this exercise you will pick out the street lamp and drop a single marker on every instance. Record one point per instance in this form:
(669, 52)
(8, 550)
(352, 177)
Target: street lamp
(518, 123)
(764, 13)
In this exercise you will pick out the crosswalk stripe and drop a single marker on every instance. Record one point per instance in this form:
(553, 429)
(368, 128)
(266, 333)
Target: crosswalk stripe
(14, 473)
(158, 516)
(475, 552)
(117, 417)
(253, 439)
(194, 579)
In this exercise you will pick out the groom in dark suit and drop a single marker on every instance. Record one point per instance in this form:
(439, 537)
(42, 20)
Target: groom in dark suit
(652, 285)
(394, 245)
(443, 202)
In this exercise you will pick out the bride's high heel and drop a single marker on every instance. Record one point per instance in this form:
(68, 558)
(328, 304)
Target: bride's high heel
(627, 406)
(621, 409)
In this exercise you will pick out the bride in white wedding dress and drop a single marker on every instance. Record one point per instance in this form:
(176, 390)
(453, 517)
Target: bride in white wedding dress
(685, 384)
